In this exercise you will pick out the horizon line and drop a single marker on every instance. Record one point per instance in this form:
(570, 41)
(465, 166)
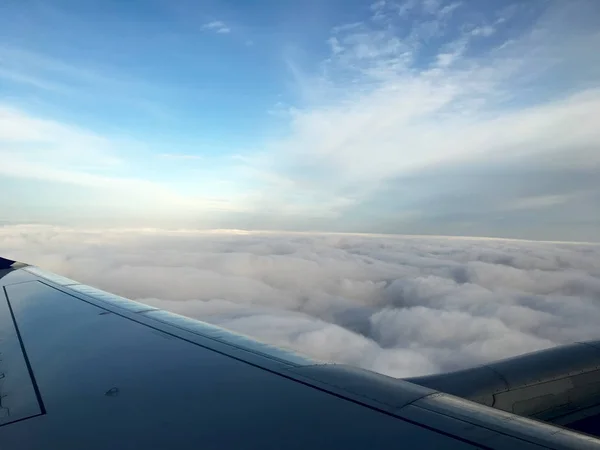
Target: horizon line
(240, 231)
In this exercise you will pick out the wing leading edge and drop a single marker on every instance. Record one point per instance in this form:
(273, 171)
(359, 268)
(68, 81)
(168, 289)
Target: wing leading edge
(99, 371)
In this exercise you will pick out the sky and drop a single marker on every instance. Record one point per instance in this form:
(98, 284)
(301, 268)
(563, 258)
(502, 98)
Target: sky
(423, 117)
(398, 305)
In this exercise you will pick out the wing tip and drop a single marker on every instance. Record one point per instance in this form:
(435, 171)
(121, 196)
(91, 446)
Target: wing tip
(6, 263)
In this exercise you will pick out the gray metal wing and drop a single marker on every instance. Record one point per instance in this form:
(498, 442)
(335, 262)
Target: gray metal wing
(560, 385)
(82, 368)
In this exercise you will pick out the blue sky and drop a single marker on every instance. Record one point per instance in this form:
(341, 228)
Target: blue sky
(426, 117)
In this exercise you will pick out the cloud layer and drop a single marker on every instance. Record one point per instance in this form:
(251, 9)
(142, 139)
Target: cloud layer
(401, 306)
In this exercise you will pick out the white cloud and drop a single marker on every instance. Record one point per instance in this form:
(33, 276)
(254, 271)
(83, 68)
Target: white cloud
(431, 6)
(451, 53)
(422, 122)
(71, 143)
(335, 45)
(124, 183)
(109, 170)
(217, 26)
(377, 5)
(38, 148)
(378, 9)
(540, 201)
(485, 31)
(390, 103)
(397, 305)
(448, 9)
(405, 7)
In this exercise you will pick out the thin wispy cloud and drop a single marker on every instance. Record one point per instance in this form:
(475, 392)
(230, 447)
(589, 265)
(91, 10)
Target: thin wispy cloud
(412, 113)
(65, 82)
(57, 141)
(39, 150)
(217, 26)
(390, 102)
(484, 30)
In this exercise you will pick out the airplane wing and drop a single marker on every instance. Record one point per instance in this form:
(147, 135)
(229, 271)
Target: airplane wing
(84, 369)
